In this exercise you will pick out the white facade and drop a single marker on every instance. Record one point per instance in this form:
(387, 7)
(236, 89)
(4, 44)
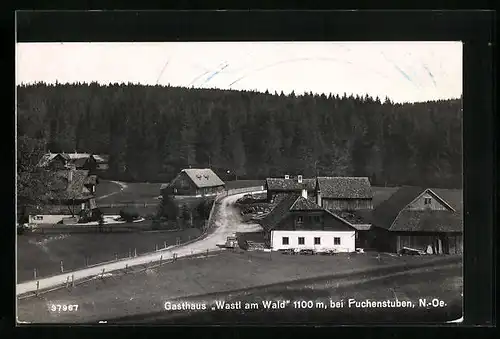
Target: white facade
(47, 219)
(342, 241)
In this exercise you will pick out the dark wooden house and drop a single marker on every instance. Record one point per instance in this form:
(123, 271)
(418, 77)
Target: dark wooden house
(425, 219)
(344, 193)
(299, 223)
(278, 188)
(72, 191)
(194, 182)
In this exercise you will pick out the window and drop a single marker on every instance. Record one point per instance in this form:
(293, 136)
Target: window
(300, 220)
(317, 241)
(427, 201)
(336, 241)
(301, 241)
(285, 241)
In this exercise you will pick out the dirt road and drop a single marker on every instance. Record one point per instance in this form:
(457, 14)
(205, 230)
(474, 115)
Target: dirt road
(228, 221)
(119, 183)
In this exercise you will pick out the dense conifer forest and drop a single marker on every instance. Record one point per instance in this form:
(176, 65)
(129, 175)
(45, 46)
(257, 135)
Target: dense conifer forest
(151, 132)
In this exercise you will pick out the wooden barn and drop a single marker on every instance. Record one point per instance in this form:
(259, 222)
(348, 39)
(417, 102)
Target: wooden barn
(344, 193)
(299, 223)
(423, 219)
(194, 182)
(281, 187)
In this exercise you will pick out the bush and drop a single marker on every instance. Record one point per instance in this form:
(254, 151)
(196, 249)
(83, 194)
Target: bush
(129, 214)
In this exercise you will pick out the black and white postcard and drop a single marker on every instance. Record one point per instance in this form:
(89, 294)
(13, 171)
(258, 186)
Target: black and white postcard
(239, 182)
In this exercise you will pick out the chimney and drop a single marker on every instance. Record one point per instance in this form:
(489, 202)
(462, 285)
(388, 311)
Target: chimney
(304, 193)
(318, 197)
(287, 176)
(299, 179)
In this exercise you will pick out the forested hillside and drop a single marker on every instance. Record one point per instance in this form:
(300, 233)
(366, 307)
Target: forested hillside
(151, 132)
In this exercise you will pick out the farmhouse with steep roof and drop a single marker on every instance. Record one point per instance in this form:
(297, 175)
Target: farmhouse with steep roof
(72, 191)
(194, 182)
(78, 161)
(425, 219)
(299, 223)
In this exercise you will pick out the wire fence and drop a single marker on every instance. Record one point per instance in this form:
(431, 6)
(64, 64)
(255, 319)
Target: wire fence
(153, 264)
(116, 205)
(209, 225)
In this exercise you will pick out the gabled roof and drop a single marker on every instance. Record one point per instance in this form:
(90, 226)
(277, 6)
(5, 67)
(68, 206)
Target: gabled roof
(385, 213)
(390, 214)
(428, 221)
(281, 184)
(358, 227)
(303, 204)
(46, 159)
(345, 187)
(290, 203)
(279, 212)
(203, 177)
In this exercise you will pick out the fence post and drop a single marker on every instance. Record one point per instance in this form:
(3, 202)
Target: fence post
(73, 280)
(126, 268)
(161, 257)
(164, 244)
(175, 256)
(34, 274)
(102, 274)
(207, 252)
(37, 286)
(67, 281)
(62, 266)
(156, 247)
(135, 252)
(116, 256)
(129, 252)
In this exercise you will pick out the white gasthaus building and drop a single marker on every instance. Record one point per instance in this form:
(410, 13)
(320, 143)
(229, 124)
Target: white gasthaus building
(299, 223)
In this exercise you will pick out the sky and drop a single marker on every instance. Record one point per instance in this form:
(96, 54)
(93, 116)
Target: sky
(401, 71)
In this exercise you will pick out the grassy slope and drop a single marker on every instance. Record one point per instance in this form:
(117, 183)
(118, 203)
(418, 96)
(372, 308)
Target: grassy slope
(44, 252)
(147, 291)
